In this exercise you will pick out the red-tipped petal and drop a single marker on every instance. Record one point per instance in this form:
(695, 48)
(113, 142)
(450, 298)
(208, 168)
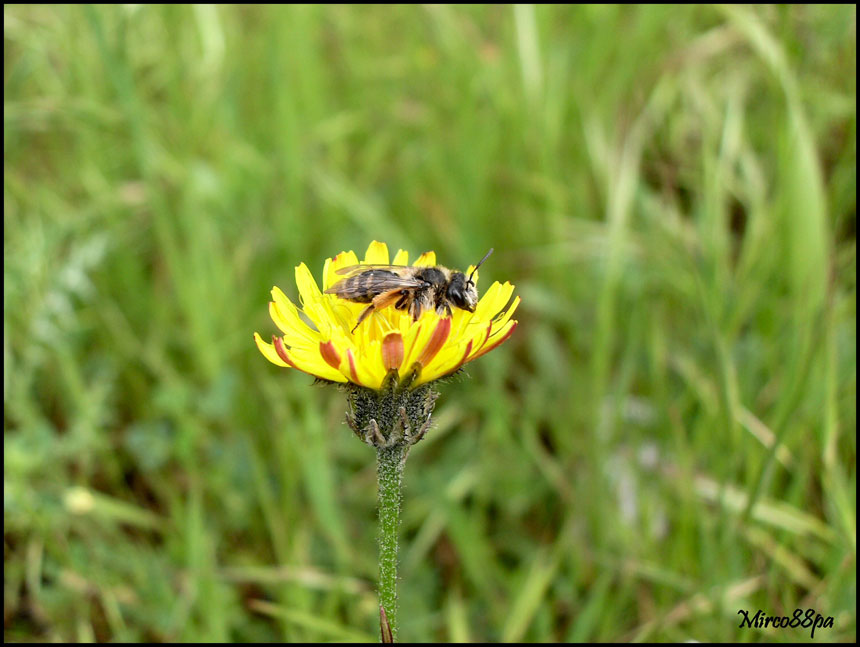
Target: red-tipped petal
(282, 351)
(484, 340)
(487, 349)
(352, 372)
(463, 360)
(436, 341)
(392, 350)
(330, 355)
(465, 355)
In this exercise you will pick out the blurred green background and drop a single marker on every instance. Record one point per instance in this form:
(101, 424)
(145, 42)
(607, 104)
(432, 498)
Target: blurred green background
(668, 437)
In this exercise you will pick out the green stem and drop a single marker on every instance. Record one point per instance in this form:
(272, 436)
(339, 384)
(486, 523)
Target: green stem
(389, 466)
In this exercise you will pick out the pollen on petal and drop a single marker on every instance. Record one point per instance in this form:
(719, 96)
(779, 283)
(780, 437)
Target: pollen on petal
(436, 341)
(330, 355)
(392, 351)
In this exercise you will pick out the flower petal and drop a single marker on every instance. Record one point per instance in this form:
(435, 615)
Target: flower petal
(308, 361)
(401, 258)
(443, 360)
(503, 320)
(481, 340)
(353, 369)
(377, 254)
(295, 330)
(288, 315)
(314, 304)
(309, 291)
(465, 356)
(282, 351)
(446, 362)
(436, 342)
(371, 369)
(392, 351)
(330, 355)
(332, 265)
(321, 339)
(493, 300)
(496, 340)
(413, 335)
(268, 351)
(427, 259)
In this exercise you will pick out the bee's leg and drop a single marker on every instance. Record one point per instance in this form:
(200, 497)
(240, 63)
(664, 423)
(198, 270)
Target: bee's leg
(379, 302)
(415, 309)
(364, 314)
(444, 309)
(385, 299)
(422, 300)
(405, 302)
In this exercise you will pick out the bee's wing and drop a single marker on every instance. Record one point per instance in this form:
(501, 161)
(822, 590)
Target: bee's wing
(394, 278)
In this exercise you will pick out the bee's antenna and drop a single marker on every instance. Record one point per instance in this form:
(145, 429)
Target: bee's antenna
(486, 256)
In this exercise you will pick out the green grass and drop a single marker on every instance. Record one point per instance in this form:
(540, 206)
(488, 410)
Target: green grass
(668, 437)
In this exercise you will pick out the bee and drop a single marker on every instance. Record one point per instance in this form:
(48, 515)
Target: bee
(406, 287)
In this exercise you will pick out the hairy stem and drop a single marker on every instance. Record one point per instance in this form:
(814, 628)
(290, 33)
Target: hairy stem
(389, 465)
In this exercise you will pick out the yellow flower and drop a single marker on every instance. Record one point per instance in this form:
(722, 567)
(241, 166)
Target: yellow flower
(434, 346)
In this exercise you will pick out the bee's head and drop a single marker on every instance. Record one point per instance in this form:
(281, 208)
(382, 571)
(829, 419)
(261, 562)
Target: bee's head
(462, 292)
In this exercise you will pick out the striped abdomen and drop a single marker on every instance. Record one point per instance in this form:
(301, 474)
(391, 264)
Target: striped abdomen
(362, 287)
